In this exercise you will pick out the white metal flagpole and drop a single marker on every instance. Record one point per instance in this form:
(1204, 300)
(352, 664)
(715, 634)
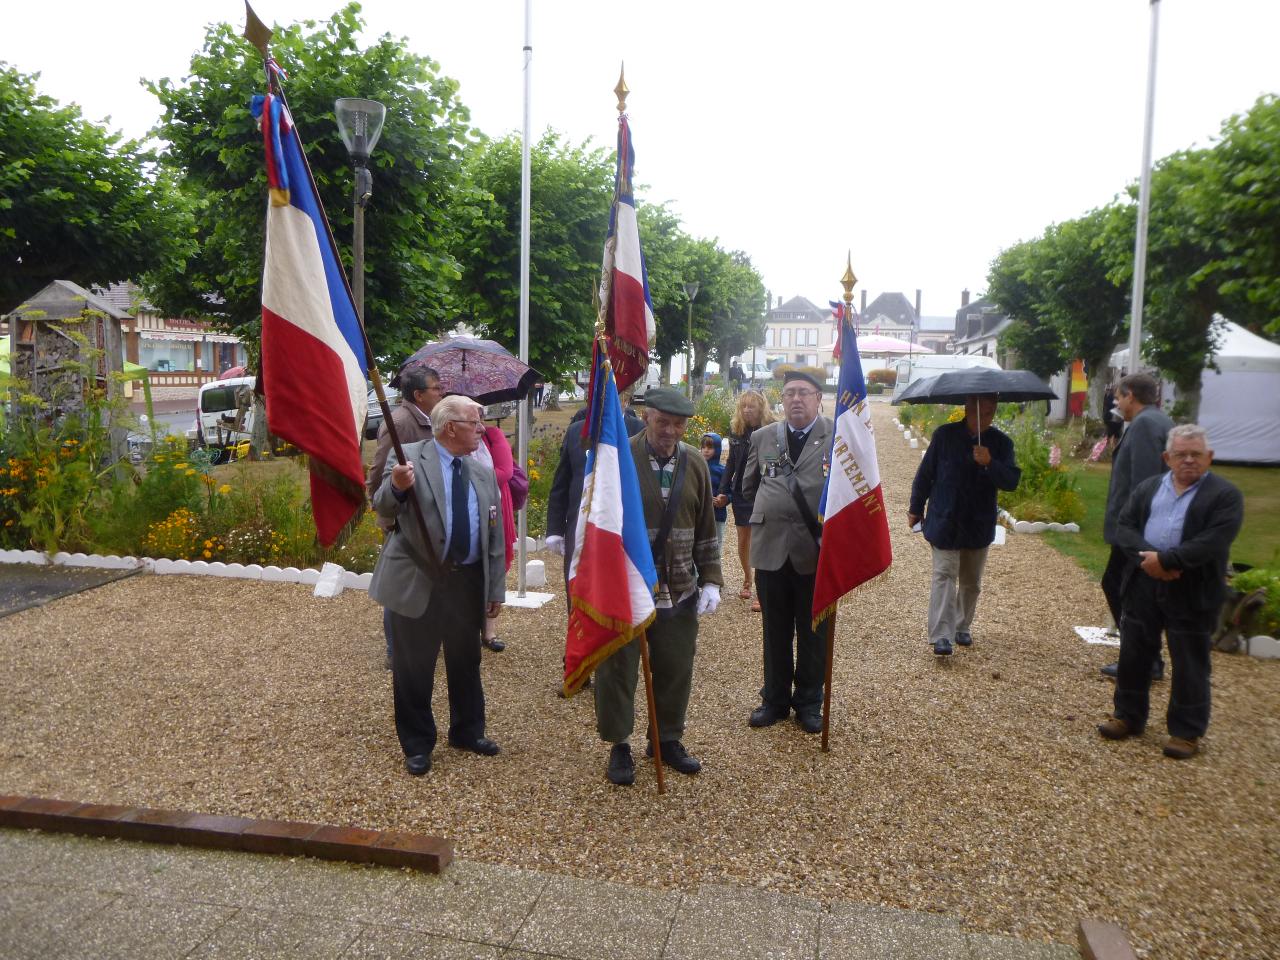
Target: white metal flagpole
(1144, 203)
(522, 441)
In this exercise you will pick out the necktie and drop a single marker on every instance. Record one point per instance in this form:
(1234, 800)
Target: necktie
(460, 541)
(795, 445)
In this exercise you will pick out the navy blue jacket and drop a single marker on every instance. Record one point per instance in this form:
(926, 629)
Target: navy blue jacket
(962, 495)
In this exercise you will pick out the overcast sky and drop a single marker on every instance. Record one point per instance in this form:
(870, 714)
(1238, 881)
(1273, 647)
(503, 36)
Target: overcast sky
(923, 136)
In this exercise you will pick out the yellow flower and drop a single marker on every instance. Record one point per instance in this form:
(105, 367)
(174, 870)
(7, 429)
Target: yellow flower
(8, 523)
(179, 466)
(225, 489)
(190, 473)
(208, 554)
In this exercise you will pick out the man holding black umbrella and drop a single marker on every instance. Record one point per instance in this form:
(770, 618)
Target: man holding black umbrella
(962, 469)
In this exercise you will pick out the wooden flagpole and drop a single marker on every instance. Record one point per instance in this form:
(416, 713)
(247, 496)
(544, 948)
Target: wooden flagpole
(259, 34)
(653, 710)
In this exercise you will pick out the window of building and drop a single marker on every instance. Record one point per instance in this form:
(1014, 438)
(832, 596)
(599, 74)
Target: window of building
(768, 336)
(786, 338)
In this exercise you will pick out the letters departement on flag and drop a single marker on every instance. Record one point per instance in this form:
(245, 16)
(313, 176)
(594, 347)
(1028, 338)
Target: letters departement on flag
(855, 528)
(313, 360)
(624, 283)
(611, 572)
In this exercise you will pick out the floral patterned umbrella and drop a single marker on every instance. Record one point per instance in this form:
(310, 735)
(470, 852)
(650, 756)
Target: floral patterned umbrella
(483, 370)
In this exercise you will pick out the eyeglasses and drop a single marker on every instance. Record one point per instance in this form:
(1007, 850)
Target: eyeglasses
(475, 424)
(793, 394)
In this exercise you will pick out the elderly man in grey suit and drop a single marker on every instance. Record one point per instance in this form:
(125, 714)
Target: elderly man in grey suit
(785, 473)
(433, 606)
(1139, 455)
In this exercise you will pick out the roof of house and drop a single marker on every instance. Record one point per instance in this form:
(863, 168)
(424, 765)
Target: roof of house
(125, 296)
(801, 305)
(62, 299)
(937, 324)
(991, 332)
(894, 306)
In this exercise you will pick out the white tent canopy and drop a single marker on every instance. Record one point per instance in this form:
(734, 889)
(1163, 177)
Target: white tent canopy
(1240, 401)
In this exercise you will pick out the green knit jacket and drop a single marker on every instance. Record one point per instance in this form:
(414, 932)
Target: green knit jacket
(693, 549)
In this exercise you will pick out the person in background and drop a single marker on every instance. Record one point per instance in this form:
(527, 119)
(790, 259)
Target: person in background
(1177, 528)
(419, 393)
(495, 454)
(736, 376)
(1139, 455)
(963, 467)
(749, 414)
(711, 447)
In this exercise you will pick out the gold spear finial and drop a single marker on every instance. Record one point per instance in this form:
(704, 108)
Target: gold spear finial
(621, 90)
(848, 280)
(255, 31)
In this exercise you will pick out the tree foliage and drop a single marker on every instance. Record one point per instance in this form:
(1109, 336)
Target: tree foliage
(1014, 282)
(76, 202)
(216, 151)
(571, 188)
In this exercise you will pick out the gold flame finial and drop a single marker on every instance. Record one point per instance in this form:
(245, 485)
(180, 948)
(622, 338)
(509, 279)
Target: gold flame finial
(848, 280)
(255, 31)
(621, 90)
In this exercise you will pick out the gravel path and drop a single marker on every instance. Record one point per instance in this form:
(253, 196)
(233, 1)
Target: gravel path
(975, 786)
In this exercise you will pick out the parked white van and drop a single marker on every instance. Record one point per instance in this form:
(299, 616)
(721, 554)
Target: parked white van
(224, 411)
(910, 369)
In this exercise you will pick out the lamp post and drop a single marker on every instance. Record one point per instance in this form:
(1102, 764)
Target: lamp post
(360, 123)
(691, 291)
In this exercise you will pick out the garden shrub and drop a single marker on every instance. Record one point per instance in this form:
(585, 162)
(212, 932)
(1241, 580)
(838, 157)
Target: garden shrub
(1268, 618)
(881, 375)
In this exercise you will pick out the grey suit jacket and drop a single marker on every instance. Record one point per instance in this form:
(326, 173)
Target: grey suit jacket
(401, 580)
(1137, 457)
(778, 531)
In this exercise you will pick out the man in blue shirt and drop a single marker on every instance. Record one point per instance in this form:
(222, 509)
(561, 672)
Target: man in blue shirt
(964, 466)
(1178, 529)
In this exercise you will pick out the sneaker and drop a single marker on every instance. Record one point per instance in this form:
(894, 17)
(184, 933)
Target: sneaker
(1117, 729)
(942, 647)
(621, 769)
(1180, 748)
(964, 639)
(675, 756)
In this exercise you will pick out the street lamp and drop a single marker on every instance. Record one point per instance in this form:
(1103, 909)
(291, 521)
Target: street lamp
(360, 123)
(691, 291)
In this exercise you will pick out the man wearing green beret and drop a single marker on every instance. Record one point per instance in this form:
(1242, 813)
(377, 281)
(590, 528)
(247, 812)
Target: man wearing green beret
(675, 488)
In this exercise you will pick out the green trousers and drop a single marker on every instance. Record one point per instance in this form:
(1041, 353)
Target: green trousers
(672, 643)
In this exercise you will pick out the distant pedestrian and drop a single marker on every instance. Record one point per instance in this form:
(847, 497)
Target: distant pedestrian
(736, 376)
(750, 413)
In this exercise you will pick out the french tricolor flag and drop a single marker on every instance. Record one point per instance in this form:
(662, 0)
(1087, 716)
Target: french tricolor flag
(611, 575)
(855, 529)
(313, 359)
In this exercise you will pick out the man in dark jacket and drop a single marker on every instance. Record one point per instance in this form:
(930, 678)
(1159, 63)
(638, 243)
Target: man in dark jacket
(1138, 456)
(1178, 529)
(964, 466)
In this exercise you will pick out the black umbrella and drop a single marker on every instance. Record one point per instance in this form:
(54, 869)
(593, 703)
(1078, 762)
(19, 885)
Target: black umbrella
(483, 370)
(955, 386)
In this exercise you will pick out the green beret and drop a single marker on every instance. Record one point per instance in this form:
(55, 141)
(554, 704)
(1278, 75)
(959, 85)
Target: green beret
(801, 375)
(669, 400)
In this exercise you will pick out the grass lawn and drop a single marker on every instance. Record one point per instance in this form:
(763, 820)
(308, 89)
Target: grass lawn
(1257, 545)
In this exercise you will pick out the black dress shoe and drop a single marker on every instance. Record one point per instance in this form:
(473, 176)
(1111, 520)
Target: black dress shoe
(496, 645)
(1111, 669)
(622, 769)
(964, 639)
(675, 756)
(766, 716)
(810, 722)
(418, 764)
(942, 647)
(481, 745)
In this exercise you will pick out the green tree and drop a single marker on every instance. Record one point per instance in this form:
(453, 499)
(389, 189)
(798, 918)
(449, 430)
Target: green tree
(571, 188)
(1016, 283)
(216, 151)
(667, 249)
(76, 202)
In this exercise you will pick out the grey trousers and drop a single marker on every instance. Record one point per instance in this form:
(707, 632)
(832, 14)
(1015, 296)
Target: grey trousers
(953, 596)
(672, 644)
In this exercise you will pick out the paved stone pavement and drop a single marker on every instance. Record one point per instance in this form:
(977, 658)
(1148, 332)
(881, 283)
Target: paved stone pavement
(77, 897)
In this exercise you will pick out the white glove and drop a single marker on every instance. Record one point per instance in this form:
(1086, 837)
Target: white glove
(556, 544)
(708, 598)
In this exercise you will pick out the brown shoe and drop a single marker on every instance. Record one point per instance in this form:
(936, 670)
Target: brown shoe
(1116, 729)
(1181, 749)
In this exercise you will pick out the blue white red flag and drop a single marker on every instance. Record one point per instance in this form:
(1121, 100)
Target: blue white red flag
(855, 528)
(624, 284)
(611, 573)
(837, 310)
(313, 361)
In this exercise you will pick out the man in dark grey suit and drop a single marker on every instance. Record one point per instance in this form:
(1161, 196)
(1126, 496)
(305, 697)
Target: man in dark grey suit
(1178, 529)
(432, 607)
(1139, 455)
(786, 470)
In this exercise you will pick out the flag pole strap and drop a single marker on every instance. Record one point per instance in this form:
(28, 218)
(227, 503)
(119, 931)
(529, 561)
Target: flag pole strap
(254, 33)
(653, 710)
